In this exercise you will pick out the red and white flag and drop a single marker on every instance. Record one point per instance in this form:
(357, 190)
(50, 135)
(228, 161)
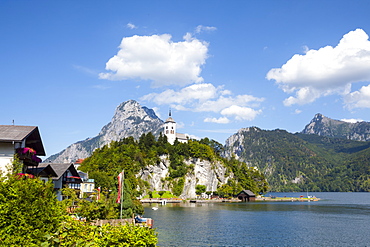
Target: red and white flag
(98, 196)
(119, 177)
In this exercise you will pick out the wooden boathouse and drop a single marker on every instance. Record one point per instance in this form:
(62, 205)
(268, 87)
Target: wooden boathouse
(246, 196)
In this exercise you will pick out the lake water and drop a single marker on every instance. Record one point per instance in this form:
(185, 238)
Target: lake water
(338, 219)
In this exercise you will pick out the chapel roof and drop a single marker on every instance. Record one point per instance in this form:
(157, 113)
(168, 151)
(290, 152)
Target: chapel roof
(170, 120)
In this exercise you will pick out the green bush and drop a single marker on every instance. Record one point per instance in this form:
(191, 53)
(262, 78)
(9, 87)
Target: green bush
(28, 211)
(77, 233)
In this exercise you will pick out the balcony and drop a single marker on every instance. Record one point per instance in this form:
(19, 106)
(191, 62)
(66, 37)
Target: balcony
(28, 156)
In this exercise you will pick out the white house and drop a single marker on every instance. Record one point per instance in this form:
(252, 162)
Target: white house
(171, 133)
(87, 186)
(24, 140)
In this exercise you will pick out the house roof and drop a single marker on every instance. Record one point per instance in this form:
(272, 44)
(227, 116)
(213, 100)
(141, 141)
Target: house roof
(247, 192)
(79, 161)
(61, 168)
(45, 171)
(18, 133)
(181, 136)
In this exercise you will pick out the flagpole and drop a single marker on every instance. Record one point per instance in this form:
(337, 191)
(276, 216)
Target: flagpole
(122, 181)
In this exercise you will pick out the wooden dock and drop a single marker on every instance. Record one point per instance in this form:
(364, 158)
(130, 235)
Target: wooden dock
(213, 200)
(161, 201)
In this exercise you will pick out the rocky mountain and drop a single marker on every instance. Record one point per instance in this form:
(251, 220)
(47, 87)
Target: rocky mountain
(130, 119)
(210, 174)
(324, 126)
(297, 162)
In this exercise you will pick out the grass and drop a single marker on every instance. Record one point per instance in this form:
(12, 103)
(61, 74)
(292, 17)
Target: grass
(155, 194)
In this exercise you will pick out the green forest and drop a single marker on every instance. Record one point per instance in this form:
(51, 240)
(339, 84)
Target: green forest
(133, 155)
(301, 162)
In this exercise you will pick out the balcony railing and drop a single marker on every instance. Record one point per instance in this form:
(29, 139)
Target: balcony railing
(28, 156)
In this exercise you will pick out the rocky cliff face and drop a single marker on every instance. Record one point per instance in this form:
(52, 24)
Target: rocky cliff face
(324, 126)
(234, 145)
(204, 173)
(130, 119)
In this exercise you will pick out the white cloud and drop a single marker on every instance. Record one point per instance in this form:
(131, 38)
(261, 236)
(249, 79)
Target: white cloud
(131, 26)
(205, 97)
(297, 111)
(358, 99)
(303, 96)
(156, 110)
(328, 70)
(86, 70)
(352, 120)
(305, 48)
(158, 59)
(241, 113)
(201, 28)
(193, 137)
(197, 92)
(222, 102)
(221, 120)
(101, 87)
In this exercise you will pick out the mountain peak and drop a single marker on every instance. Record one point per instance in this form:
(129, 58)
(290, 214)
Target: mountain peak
(324, 126)
(130, 119)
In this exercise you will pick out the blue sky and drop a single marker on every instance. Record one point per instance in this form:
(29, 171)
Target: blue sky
(219, 65)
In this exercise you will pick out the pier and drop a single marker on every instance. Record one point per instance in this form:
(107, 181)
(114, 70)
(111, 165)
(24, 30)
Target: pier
(161, 200)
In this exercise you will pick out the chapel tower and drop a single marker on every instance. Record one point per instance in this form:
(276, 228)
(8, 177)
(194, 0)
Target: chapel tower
(170, 129)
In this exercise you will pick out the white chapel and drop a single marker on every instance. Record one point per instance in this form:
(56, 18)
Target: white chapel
(170, 131)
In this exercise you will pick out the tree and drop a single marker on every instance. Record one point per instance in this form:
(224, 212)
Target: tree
(28, 211)
(129, 206)
(199, 189)
(225, 191)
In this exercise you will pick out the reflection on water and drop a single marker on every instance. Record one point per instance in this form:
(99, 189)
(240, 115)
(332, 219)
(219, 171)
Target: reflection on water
(338, 219)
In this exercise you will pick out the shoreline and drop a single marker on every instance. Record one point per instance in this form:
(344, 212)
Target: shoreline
(164, 201)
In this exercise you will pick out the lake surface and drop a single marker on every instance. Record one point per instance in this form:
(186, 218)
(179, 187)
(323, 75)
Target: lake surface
(338, 219)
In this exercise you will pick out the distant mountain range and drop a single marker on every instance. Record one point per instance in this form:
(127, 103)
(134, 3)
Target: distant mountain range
(328, 155)
(300, 162)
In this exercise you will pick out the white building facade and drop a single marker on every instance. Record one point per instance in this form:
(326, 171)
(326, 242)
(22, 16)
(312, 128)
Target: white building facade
(171, 133)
